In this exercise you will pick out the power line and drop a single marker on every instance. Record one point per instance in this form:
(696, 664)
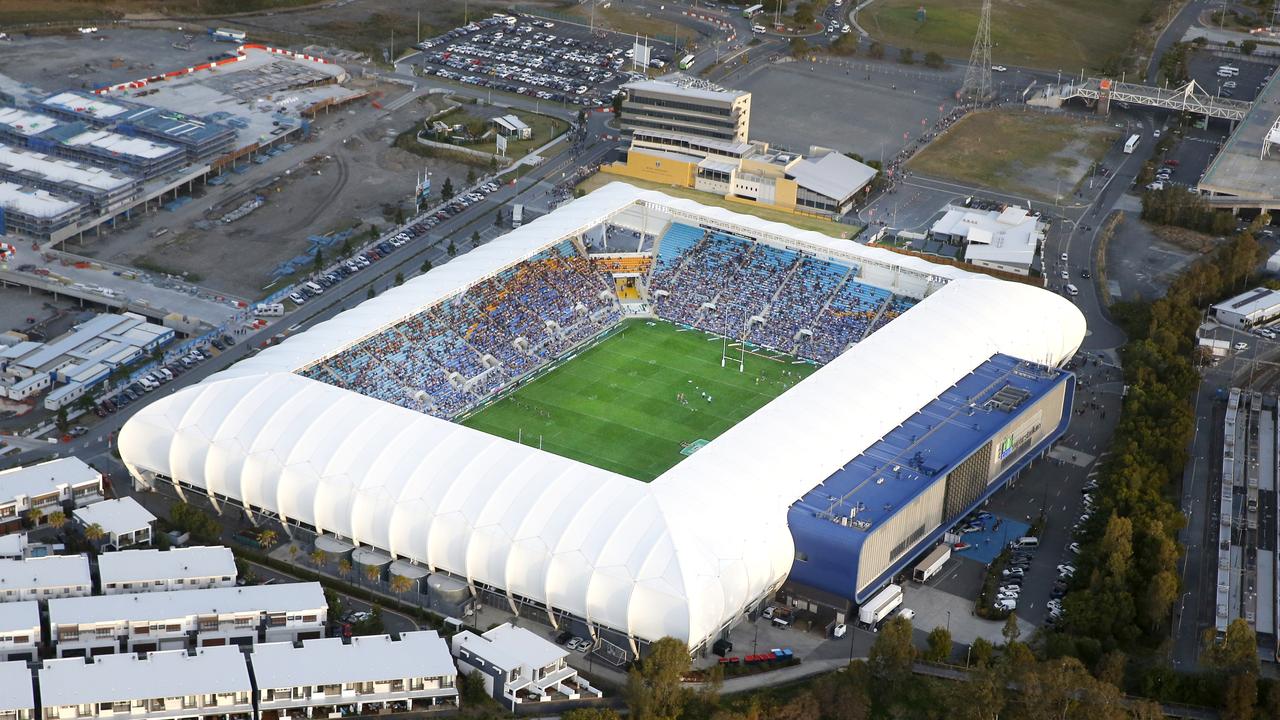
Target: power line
(977, 77)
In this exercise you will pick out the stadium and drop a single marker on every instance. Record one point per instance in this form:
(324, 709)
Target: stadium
(638, 415)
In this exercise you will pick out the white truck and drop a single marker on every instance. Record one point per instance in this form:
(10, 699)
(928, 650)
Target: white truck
(880, 606)
(517, 215)
(1131, 144)
(932, 563)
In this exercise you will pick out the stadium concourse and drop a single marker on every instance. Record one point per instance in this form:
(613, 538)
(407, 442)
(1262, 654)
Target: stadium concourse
(936, 386)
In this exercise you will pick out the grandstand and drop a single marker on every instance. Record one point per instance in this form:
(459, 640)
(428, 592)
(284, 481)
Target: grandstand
(365, 426)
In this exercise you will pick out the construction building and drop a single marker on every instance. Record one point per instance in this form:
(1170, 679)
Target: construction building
(79, 142)
(202, 140)
(104, 191)
(36, 213)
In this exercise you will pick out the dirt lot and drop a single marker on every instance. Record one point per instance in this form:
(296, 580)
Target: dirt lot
(1017, 152)
(326, 185)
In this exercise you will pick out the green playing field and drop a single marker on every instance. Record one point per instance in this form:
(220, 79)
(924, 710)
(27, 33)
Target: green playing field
(616, 405)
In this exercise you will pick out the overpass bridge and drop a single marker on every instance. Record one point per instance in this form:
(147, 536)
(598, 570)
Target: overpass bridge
(1188, 98)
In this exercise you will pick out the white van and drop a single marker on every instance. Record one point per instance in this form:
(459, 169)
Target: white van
(758, 29)
(1072, 290)
(268, 309)
(314, 287)
(1027, 542)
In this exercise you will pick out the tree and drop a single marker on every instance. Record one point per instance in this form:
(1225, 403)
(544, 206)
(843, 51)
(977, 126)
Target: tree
(939, 645)
(57, 519)
(344, 568)
(400, 584)
(268, 538)
(1240, 700)
(654, 690)
(471, 176)
(61, 420)
(590, 714)
(497, 219)
(980, 652)
(616, 106)
(799, 46)
(316, 557)
(1110, 668)
(1011, 631)
(1236, 653)
(803, 14)
(582, 116)
(372, 573)
(446, 191)
(907, 56)
(34, 516)
(892, 653)
(399, 278)
(1248, 46)
(399, 216)
(475, 238)
(371, 293)
(346, 245)
(846, 44)
(452, 249)
(426, 266)
(875, 51)
(94, 533)
(318, 263)
(934, 60)
(801, 707)
(293, 553)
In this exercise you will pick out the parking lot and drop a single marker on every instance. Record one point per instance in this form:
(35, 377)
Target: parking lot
(1203, 68)
(538, 58)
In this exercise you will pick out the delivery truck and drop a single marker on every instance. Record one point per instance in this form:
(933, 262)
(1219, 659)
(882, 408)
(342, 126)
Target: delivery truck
(880, 606)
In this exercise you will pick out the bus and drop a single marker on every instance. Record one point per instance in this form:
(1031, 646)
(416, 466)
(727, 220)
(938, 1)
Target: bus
(752, 11)
(1131, 143)
(686, 62)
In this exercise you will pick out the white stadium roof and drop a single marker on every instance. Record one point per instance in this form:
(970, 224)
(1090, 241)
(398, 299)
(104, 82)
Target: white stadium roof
(645, 559)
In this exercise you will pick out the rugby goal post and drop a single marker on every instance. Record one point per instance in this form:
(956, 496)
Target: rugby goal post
(726, 356)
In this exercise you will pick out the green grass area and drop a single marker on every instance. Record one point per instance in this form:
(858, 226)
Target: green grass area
(1051, 34)
(545, 129)
(57, 11)
(804, 222)
(614, 405)
(1021, 153)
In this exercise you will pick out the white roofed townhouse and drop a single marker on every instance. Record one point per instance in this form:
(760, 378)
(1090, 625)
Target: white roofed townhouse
(370, 675)
(190, 568)
(211, 684)
(19, 631)
(47, 486)
(519, 667)
(45, 578)
(124, 522)
(146, 622)
(17, 692)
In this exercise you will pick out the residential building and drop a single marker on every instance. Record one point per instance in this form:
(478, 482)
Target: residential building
(17, 692)
(146, 622)
(371, 674)
(210, 684)
(48, 486)
(519, 667)
(19, 632)
(45, 578)
(191, 568)
(1001, 237)
(124, 522)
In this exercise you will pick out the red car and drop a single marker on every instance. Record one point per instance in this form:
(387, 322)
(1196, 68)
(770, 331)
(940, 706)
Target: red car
(1172, 163)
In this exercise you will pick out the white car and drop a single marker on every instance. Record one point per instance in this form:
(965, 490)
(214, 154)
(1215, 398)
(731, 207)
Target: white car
(1065, 276)
(999, 68)
(1063, 257)
(1007, 605)
(839, 630)
(1241, 346)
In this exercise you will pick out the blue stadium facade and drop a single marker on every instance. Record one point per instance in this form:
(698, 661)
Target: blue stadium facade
(867, 522)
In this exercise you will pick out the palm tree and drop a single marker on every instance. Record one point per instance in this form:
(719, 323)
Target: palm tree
(293, 553)
(400, 584)
(267, 538)
(57, 519)
(317, 557)
(373, 572)
(34, 516)
(344, 568)
(94, 533)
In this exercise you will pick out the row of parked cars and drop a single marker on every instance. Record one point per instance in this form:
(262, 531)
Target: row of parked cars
(354, 264)
(1067, 570)
(152, 380)
(1022, 553)
(573, 642)
(506, 54)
